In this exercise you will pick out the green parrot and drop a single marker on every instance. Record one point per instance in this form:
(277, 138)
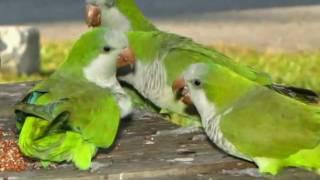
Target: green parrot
(119, 15)
(162, 57)
(252, 121)
(123, 16)
(77, 109)
(152, 48)
(104, 13)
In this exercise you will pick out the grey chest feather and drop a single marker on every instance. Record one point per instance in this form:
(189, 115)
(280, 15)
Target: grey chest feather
(152, 79)
(213, 131)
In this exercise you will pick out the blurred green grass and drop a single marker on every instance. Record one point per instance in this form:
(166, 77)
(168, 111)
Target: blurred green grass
(300, 69)
(291, 68)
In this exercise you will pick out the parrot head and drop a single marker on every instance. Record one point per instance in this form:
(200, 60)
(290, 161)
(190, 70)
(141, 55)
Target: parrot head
(97, 53)
(94, 57)
(211, 87)
(121, 15)
(196, 87)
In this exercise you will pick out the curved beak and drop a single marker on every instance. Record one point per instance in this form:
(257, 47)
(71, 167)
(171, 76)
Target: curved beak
(180, 89)
(126, 57)
(93, 15)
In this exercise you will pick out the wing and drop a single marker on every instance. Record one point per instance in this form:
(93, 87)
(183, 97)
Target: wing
(268, 124)
(198, 53)
(179, 52)
(221, 59)
(90, 110)
(96, 115)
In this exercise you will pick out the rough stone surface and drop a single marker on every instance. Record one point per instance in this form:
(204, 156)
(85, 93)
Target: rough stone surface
(19, 49)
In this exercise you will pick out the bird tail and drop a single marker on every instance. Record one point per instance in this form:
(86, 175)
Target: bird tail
(307, 158)
(54, 147)
(305, 95)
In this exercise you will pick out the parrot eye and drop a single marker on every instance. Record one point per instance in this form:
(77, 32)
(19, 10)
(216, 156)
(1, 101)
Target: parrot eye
(107, 48)
(109, 4)
(197, 83)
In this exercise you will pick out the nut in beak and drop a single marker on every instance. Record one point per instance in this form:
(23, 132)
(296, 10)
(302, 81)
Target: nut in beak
(93, 15)
(126, 57)
(179, 87)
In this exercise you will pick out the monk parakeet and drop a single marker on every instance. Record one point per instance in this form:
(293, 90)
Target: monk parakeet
(119, 15)
(252, 121)
(171, 53)
(161, 58)
(122, 16)
(77, 109)
(107, 14)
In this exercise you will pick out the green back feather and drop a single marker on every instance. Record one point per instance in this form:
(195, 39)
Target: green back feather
(273, 128)
(138, 21)
(179, 52)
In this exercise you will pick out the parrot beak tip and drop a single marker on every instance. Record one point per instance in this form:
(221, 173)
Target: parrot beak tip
(93, 15)
(179, 87)
(126, 58)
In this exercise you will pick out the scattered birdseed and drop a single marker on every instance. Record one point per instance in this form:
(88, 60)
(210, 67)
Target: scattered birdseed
(11, 158)
(149, 140)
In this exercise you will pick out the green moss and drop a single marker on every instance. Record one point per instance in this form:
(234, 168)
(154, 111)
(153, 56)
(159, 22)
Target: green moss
(292, 68)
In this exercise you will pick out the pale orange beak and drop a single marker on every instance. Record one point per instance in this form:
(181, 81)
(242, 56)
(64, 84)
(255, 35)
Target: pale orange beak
(179, 87)
(93, 15)
(126, 57)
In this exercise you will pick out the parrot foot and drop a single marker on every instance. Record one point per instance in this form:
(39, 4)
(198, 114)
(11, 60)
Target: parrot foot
(180, 131)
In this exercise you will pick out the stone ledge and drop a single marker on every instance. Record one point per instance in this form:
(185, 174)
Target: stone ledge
(19, 49)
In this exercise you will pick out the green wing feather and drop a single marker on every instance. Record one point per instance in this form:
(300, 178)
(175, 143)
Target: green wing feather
(272, 125)
(275, 131)
(270, 128)
(87, 119)
(179, 52)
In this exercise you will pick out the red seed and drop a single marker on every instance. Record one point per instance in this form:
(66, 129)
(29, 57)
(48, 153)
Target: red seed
(11, 158)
